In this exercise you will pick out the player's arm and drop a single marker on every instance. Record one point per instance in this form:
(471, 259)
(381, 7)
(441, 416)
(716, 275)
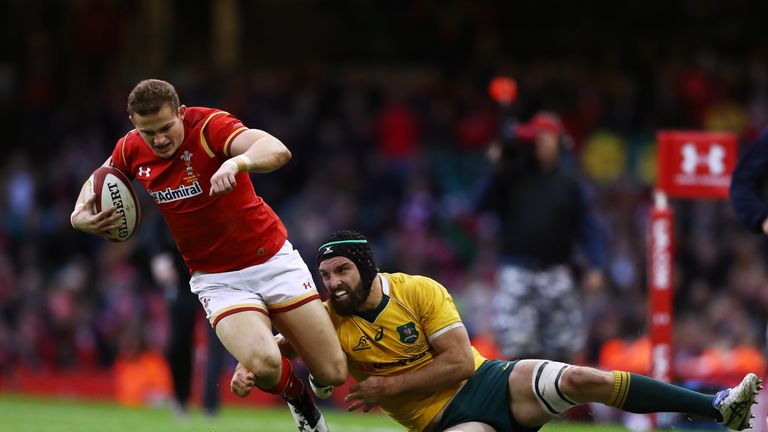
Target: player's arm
(83, 217)
(453, 362)
(254, 151)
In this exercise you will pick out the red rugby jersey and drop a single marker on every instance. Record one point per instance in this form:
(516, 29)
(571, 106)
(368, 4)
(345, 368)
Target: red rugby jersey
(213, 233)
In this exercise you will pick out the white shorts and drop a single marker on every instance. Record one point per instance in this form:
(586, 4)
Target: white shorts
(278, 285)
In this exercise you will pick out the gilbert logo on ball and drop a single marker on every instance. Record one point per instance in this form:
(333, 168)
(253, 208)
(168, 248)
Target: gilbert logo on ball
(113, 189)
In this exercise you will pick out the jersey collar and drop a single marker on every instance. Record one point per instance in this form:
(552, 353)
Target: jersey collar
(372, 314)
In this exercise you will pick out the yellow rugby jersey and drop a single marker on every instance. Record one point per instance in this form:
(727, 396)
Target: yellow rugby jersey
(394, 338)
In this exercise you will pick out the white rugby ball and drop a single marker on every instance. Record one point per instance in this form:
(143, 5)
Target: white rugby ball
(114, 189)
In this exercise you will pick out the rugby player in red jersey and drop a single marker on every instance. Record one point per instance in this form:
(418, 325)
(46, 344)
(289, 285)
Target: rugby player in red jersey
(194, 163)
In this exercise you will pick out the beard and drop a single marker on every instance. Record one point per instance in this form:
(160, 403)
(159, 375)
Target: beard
(351, 303)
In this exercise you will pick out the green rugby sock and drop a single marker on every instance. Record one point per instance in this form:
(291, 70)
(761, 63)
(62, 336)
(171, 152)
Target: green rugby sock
(641, 394)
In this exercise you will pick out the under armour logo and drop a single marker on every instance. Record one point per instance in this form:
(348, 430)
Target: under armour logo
(714, 160)
(144, 172)
(327, 250)
(307, 285)
(206, 304)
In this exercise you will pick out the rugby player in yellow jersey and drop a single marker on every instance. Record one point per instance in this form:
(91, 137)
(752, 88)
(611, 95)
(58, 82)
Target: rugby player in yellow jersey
(410, 354)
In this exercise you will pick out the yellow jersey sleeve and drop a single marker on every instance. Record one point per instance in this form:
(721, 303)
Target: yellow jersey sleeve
(434, 305)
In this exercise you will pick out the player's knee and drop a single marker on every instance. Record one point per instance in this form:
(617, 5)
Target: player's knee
(579, 380)
(264, 365)
(332, 373)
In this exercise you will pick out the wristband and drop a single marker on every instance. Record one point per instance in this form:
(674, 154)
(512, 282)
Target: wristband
(242, 162)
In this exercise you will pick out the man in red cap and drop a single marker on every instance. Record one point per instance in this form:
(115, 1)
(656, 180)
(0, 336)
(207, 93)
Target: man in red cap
(544, 214)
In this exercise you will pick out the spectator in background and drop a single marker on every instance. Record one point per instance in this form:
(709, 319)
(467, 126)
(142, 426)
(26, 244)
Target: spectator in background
(170, 273)
(544, 213)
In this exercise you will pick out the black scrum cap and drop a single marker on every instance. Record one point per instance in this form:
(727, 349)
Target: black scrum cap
(352, 245)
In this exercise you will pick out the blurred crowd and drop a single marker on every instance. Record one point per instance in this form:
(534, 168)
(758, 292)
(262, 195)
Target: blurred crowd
(385, 108)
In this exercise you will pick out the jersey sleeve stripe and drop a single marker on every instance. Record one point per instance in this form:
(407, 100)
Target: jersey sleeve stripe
(122, 151)
(445, 330)
(203, 141)
(231, 137)
(384, 284)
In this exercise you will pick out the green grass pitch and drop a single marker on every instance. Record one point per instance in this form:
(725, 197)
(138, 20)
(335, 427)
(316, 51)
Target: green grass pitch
(27, 414)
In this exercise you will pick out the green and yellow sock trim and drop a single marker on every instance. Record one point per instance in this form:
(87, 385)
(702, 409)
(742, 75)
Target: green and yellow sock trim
(620, 389)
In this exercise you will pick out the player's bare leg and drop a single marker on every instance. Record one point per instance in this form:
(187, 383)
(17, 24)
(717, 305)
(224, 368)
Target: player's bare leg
(556, 387)
(524, 407)
(310, 332)
(248, 337)
(470, 427)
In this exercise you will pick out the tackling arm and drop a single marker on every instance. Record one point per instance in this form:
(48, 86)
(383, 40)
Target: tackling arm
(244, 380)
(453, 362)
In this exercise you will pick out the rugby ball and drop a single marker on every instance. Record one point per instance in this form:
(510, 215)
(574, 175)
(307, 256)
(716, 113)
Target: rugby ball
(113, 189)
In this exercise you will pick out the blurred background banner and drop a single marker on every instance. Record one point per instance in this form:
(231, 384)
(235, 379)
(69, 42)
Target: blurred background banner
(661, 255)
(696, 164)
(385, 108)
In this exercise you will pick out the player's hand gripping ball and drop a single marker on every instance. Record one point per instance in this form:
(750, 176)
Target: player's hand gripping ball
(114, 189)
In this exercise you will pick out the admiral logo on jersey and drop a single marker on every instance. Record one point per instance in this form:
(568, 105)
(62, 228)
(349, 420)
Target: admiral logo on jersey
(180, 193)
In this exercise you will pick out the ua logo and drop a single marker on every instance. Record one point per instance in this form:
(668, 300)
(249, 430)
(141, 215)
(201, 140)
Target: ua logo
(144, 172)
(327, 250)
(206, 301)
(714, 160)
